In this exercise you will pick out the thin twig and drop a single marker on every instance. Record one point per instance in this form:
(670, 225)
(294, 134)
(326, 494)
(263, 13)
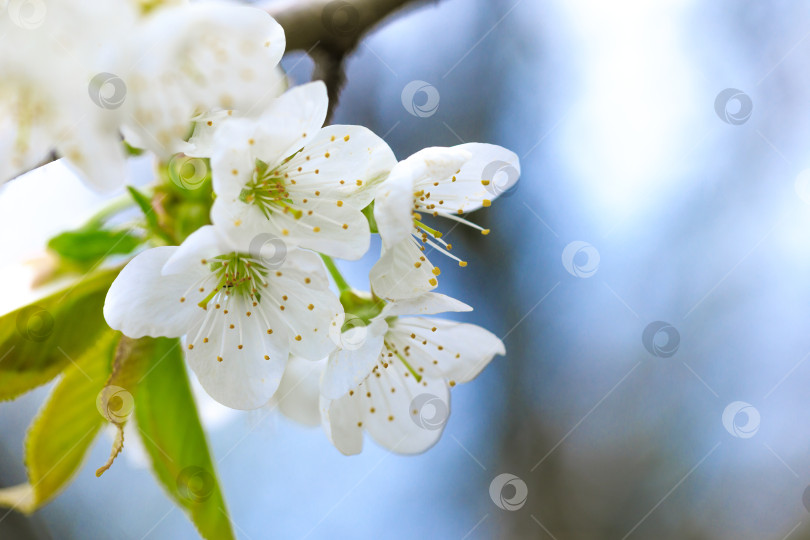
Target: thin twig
(329, 30)
(334, 24)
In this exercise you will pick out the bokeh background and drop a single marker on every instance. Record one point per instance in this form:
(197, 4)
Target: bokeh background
(688, 208)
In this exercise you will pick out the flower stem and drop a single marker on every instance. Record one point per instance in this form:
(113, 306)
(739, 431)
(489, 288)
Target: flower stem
(341, 283)
(115, 206)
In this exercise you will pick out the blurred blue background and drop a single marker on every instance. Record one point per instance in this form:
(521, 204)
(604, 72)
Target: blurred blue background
(688, 208)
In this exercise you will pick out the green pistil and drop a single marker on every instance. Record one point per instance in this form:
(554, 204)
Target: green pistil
(420, 225)
(268, 191)
(289, 208)
(237, 275)
(405, 362)
(204, 302)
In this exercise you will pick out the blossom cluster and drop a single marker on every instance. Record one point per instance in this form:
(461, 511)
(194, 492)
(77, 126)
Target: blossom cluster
(250, 294)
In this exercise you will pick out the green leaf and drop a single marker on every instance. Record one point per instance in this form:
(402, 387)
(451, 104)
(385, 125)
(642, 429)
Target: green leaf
(173, 436)
(38, 341)
(143, 203)
(93, 245)
(152, 221)
(64, 428)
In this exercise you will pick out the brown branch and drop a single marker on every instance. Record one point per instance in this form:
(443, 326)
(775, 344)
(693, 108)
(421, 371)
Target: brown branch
(329, 30)
(337, 25)
(329, 69)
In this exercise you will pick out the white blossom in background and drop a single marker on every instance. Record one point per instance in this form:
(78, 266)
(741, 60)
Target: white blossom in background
(241, 313)
(403, 361)
(434, 182)
(285, 175)
(51, 53)
(76, 75)
(195, 65)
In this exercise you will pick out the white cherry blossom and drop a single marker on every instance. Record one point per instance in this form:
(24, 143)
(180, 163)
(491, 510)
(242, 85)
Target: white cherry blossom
(195, 65)
(405, 363)
(241, 313)
(283, 174)
(51, 53)
(435, 182)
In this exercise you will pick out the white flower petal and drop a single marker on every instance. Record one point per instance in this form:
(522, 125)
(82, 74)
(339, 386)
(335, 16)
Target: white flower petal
(240, 223)
(393, 206)
(290, 122)
(350, 162)
(453, 350)
(44, 100)
(307, 267)
(322, 225)
(14, 160)
(234, 158)
(297, 396)
(426, 304)
(337, 231)
(202, 140)
(396, 275)
(394, 423)
(340, 418)
(204, 243)
(28, 114)
(347, 368)
(240, 367)
(202, 143)
(309, 313)
(143, 302)
(189, 59)
(468, 191)
(97, 157)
